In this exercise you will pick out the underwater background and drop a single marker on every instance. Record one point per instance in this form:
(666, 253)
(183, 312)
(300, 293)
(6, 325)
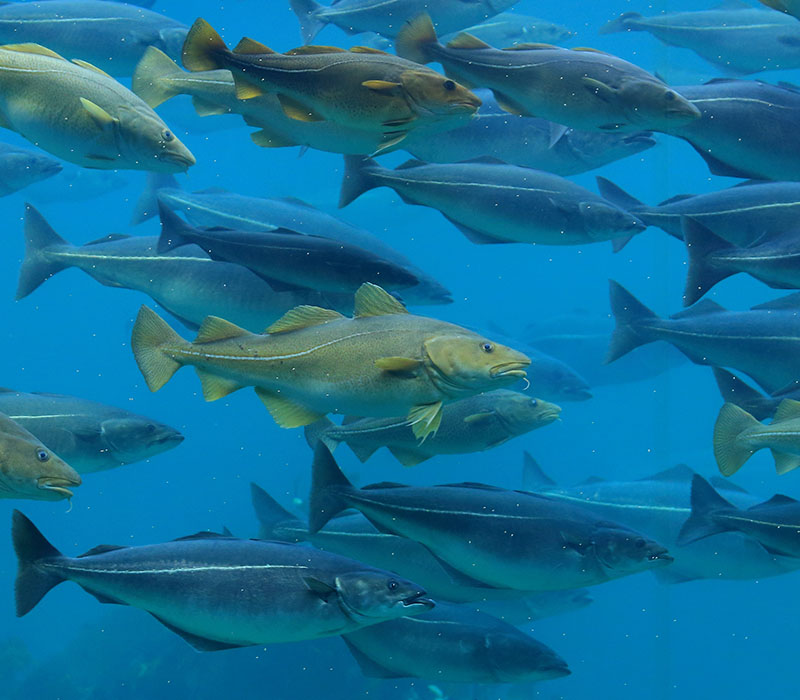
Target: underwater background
(639, 638)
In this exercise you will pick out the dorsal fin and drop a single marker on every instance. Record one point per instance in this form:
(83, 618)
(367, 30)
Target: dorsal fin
(790, 302)
(680, 472)
(411, 163)
(384, 485)
(215, 328)
(530, 46)
(467, 41)
(587, 48)
(309, 50)
(101, 549)
(248, 47)
(367, 49)
(372, 300)
(701, 308)
(34, 49)
(303, 317)
(472, 485)
(109, 238)
(204, 535)
(89, 66)
(787, 410)
(675, 199)
(777, 500)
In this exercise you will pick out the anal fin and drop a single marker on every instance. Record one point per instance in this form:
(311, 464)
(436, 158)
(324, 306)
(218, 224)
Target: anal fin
(198, 642)
(785, 462)
(214, 386)
(407, 456)
(286, 412)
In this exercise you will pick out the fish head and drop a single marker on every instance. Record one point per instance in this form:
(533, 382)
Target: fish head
(30, 470)
(603, 220)
(468, 363)
(132, 439)
(144, 138)
(434, 94)
(519, 413)
(171, 40)
(371, 596)
(516, 658)
(22, 168)
(621, 551)
(655, 105)
(546, 32)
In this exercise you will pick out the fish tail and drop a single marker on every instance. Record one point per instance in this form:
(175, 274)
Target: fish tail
(316, 433)
(203, 47)
(628, 312)
(307, 12)
(735, 391)
(172, 229)
(328, 483)
(413, 40)
(39, 239)
(151, 77)
(706, 503)
(31, 547)
(702, 274)
(269, 512)
(616, 195)
(357, 179)
(147, 204)
(730, 452)
(150, 334)
(626, 22)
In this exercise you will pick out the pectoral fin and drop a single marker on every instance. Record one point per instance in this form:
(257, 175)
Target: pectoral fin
(384, 86)
(603, 91)
(425, 419)
(478, 417)
(296, 110)
(397, 364)
(102, 118)
(319, 588)
(286, 412)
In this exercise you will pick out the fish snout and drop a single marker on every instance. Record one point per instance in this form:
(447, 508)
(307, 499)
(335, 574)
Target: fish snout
(179, 158)
(514, 368)
(682, 111)
(418, 600)
(59, 484)
(661, 556)
(557, 669)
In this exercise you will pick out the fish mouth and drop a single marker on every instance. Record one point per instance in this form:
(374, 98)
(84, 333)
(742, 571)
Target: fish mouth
(557, 670)
(550, 415)
(185, 160)
(509, 369)
(689, 113)
(641, 137)
(579, 395)
(57, 484)
(660, 558)
(418, 600)
(171, 439)
(52, 169)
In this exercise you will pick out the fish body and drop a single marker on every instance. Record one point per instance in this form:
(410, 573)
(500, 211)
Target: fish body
(21, 167)
(505, 539)
(89, 436)
(509, 28)
(472, 424)
(451, 644)
(737, 37)
(79, 113)
(29, 469)
(583, 88)
(219, 592)
(491, 202)
(710, 335)
(736, 391)
(314, 361)
(556, 380)
(76, 184)
(110, 35)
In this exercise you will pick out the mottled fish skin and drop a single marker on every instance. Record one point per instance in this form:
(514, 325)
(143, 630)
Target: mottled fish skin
(21, 167)
(90, 436)
(111, 35)
(452, 644)
(509, 28)
(739, 38)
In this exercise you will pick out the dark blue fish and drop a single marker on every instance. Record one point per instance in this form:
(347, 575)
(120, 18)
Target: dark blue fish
(735, 391)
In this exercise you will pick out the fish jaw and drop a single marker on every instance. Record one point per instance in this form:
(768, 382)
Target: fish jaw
(418, 603)
(514, 368)
(57, 485)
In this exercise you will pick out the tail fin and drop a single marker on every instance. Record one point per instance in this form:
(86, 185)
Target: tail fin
(269, 512)
(147, 204)
(533, 478)
(413, 40)
(706, 503)
(356, 179)
(315, 433)
(203, 47)
(616, 195)
(173, 229)
(701, 244)
(622, 23)
(328, 483)
(310, 24)
(151, 78)
(627, 310)
(33, 583)
(729, 451)
(734, 390)
(150, 334)
(36, 268)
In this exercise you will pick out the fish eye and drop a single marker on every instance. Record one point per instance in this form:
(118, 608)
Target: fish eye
(487, 347)
(534, 403)
(150, 428)
(42, 455)
(669, 96)
(449, 85)
(639, 543)
(392, 585)
(167, 135)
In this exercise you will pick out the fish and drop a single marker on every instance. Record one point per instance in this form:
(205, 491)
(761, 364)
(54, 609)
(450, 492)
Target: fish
(29, 469)
(728, 136)
(555, 380)
(509, 28)
(22, 167)
(491, 202)
(579, 88)
(773, 261)
(285, 259)
(505, 539)
(451, 644)
(736, 37)
(775, 523)
(112, 36)
(387, 17)
(89, 436)
(220, 592)
(741, 214)
(536, 606)
(708, 334)
(473, 424)
(76, 184)
(81, 114)
(219, 207)
(658, 506)
(736, 391)
(362, 88)
(790, 7)
(313, 361)
(186, 283)
(738, 436)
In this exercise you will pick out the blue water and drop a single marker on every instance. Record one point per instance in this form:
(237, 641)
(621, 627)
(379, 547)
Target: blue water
(639, 638)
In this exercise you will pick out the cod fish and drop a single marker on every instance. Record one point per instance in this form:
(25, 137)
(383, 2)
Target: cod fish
(287, 260)
(81, 114)
(504, 539)
(736, 37)
(509, 28)
(491, 202)
(775, 524)
(21, 167)
(738, 436)
(186, 283)
(387, 17)
(111, 35)
(218, 592)
(579, 88)
(473, 424)
(90, 436)
(314, 361)
(708, 334)
(451, 644)
(30, 470)
(736, 391)
(361, 88)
